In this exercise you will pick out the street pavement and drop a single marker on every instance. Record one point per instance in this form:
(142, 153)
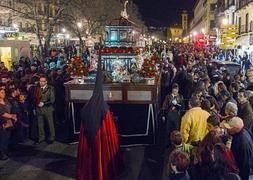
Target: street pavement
(58, 161)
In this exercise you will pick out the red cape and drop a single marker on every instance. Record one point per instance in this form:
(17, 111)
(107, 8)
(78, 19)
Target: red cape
(101, 160)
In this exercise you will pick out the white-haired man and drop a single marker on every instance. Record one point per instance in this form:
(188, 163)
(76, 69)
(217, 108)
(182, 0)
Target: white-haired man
(242, 145)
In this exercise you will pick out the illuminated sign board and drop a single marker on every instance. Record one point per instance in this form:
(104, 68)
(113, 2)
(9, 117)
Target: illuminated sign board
(4, 29)
(11, 35)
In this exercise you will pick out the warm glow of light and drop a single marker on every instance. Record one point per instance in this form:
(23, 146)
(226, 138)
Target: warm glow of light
(15, 25)
(203, 30)
(225, 21)
(194, 33)
(63, 30)
(79, 24)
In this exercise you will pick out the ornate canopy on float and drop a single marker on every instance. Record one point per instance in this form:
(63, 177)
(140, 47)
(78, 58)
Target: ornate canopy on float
(121, 32)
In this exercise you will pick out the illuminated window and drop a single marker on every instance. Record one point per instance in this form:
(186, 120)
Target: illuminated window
(114, 36)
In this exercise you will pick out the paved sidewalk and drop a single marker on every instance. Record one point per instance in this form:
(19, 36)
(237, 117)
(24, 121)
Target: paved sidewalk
(58, 162)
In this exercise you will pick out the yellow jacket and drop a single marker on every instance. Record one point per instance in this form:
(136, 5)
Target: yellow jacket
(194, 125)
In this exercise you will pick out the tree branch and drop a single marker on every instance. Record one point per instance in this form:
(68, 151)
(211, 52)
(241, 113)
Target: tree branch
(26, 15)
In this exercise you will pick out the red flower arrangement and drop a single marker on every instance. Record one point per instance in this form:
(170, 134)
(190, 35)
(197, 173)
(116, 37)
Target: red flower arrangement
(149, 67)
(121, 50)
(76, 67)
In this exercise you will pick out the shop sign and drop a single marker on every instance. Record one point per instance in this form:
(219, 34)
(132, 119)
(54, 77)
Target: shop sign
(4, 29)
(11, 35)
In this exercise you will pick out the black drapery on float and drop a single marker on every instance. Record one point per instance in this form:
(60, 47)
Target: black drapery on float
(98, 151)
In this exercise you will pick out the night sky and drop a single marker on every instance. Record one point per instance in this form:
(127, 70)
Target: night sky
(163, 12)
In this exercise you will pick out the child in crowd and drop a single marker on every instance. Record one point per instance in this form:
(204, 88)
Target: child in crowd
(24, 116)
(179, 163)
(177, 144)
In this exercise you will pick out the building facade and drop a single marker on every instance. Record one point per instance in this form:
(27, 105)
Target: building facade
(185, 21)
(25, 27)
(177, 31)
(204, 21)
(244, 20)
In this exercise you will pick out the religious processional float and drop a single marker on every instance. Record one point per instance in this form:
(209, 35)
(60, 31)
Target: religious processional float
(131, 83)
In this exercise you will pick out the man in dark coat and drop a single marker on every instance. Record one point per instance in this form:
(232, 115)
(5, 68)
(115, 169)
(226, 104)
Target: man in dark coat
(242, 146)
(245, 111)
(45, 100)
(60, 98)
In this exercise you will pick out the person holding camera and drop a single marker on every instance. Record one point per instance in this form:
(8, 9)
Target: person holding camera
(172, 107)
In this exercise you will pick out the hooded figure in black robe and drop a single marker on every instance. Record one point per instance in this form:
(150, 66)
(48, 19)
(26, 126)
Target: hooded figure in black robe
(98, 151)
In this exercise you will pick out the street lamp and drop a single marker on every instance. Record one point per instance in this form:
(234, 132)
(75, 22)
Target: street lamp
(203, 30)
(194, 33)
(63, 30)
(225, 21)
(15, 25)
(79, 24)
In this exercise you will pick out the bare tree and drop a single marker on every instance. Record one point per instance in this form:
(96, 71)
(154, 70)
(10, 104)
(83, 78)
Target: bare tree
(95, 14)
(74, 21)
(135, 16)
(46, 16)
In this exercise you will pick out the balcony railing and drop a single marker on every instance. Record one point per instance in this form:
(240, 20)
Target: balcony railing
(242, 3)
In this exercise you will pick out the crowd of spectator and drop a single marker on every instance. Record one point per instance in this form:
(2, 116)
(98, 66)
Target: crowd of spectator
(29, 107)
(209, 116)
(208, 111)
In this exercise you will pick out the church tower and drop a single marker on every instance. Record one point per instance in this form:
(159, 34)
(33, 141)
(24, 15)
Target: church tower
(185, 21)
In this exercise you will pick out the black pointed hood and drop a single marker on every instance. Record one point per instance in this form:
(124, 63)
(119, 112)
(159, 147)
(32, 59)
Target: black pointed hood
(95, 110)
